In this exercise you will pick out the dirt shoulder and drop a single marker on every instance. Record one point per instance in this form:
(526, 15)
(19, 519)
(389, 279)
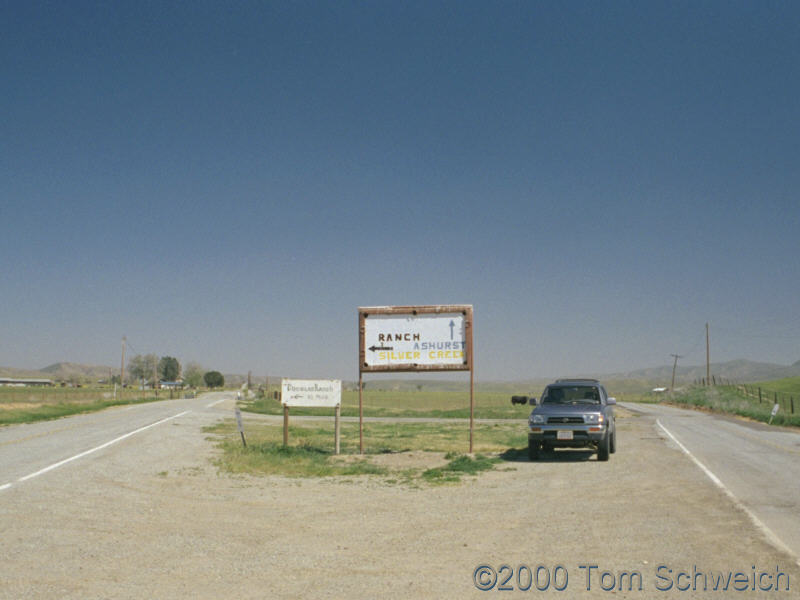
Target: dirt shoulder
(153, 518)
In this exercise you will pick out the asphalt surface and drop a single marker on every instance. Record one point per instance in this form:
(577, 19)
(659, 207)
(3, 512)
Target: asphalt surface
(30, 451)
(757, 465)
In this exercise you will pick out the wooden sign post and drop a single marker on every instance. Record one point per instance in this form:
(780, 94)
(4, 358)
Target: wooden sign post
(311, 392)
(240, 426)
(415, 339)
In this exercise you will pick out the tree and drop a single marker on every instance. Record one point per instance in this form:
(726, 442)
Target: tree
(169, 369)
(214, 379)
(143, 367)
(193, 375)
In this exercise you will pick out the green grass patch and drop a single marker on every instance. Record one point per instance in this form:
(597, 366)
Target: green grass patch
(310, 450)
(306, 460)
(730, 400)
(408, 403)
(458, 466)
(789, 386)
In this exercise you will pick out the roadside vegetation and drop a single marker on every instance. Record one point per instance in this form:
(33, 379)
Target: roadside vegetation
(20, 405)
(734, 400)
(403, 453)
(31, 404)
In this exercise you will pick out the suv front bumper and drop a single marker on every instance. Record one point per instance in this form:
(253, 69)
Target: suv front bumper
(566, 436)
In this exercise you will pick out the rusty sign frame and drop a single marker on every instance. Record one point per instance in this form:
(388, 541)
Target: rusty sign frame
(468, 365)
(365, 311)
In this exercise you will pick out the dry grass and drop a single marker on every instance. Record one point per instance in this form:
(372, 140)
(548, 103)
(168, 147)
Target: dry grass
(408, 453)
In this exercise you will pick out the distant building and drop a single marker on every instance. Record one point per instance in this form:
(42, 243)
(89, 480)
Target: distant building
(172, 384)
(25, 382)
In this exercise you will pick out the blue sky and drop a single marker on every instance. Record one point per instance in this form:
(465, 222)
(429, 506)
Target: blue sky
(228, 182)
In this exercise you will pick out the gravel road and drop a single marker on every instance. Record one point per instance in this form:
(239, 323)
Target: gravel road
(148, 516)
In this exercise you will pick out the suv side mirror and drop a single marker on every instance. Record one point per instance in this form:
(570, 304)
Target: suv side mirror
(532, 401)
(519, 399)
(612, 401)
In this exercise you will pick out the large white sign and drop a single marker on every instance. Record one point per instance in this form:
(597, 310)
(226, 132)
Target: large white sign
(425, 339)
(311, 392)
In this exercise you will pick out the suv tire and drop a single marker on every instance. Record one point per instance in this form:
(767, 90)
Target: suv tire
(613, 445)
(603, 448)
(534, 449)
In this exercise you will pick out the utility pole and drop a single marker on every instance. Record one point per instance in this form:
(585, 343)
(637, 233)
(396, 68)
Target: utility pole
(155, 376)
(708, 359)
(122, 368)
(674, 365)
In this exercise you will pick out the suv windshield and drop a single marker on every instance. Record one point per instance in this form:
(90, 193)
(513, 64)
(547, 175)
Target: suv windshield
(574, 394)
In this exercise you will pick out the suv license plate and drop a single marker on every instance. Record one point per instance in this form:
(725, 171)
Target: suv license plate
(563, 435)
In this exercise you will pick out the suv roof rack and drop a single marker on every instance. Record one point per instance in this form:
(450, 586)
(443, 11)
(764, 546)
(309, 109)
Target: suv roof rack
(577, 380)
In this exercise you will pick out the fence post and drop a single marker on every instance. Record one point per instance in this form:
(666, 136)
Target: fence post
(759, 395)
(791, 399)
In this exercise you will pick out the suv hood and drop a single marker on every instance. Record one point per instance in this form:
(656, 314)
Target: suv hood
(566, 409)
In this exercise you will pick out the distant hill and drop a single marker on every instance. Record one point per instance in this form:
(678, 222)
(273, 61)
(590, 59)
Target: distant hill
(735, 370)
(64, 371)
(22, 373)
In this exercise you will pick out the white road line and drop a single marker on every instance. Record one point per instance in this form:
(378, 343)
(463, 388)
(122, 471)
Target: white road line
(215, 403)
(770, 535)
(87, 452)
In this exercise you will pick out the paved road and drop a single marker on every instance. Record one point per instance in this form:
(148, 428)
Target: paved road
(31, 451)
(758, 466)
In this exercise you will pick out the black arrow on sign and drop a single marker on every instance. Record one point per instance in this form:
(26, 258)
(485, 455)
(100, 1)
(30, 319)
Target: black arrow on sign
(373, 348)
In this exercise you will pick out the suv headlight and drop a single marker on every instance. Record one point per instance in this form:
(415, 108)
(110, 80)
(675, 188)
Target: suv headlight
(594, 418)
(538, 419)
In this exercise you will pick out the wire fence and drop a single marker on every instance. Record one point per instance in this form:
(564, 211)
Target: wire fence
(782, 399)
(787, 402)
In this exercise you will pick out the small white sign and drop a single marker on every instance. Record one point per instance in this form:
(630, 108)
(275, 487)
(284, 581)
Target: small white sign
(775, 409)
(311, 392)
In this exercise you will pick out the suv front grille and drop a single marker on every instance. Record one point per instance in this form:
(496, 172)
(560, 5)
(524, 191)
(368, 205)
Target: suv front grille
(564, 420)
